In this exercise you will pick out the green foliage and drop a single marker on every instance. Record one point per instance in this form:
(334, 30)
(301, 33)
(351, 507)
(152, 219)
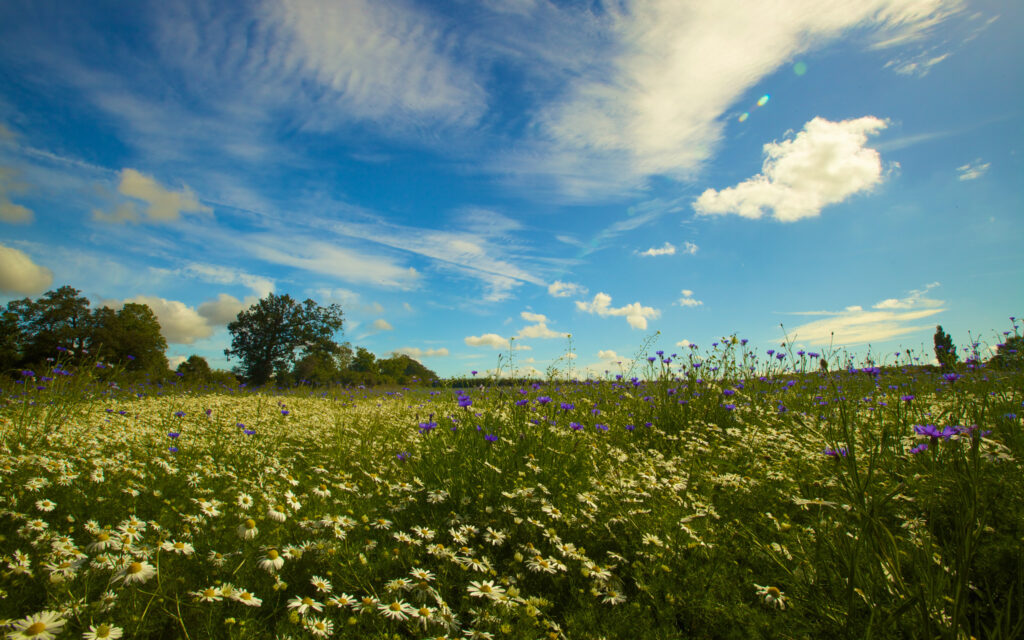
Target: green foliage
(195, 369)
(1010, 354)
(131, 336)
(267, 336)
(945, 350)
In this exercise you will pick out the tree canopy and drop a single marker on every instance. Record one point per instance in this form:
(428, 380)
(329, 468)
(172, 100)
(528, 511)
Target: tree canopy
(268, 336)
(945, 350)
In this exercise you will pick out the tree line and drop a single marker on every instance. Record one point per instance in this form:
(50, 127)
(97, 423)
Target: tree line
(277, 340)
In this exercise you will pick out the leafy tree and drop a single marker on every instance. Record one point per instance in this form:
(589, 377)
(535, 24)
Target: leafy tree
(59, 318)
(316, 368)
(131, 335)
(195, 369)
(402, 369)
(364, 361)
(12, 339)
(266, 336)
(945, 350)
(1010, 354)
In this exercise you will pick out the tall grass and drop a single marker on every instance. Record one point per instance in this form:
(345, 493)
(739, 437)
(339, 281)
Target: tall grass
(715, 493)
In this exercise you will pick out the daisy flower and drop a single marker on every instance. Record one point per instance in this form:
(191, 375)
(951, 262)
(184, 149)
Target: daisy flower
(323, 585)
(342, 600)
(182, 548)
(247, 530)
(485, 589)
(319, 627)
(272, 561)
(138, 571)
(46, 505)
(772, 596)
(397, 610)
(40, 626)
(209, 594)
(277, 514)
(246, 598)
(102, 631)
(304, 604)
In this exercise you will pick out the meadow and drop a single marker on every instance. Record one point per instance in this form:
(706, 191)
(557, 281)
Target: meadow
(711, 493)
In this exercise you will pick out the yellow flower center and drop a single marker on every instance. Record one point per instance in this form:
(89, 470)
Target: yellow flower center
(210, 592)
(250, 524)
(273, 554)
(424, 612)
(103, 537)
(774, 592)
(135, 567)
(486, 588)
(307, 601)
(394, 606)
(35, 629)
(179, 545)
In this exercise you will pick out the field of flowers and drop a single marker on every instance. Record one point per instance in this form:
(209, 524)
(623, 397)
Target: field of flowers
(706, 494)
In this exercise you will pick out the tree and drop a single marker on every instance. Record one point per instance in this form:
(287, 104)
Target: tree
(1009, 354)
(316, 368)
(945, 350)
(195, 369)
(266, 336)
(131, 335)
(402, 369)
(59, 318)
(12, 339)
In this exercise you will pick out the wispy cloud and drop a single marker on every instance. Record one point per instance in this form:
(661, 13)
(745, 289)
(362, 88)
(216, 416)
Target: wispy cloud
(559, 289)
(973, 170)
(824, 164)
(688, 300)
(161, 204)
(890, 318)
(416, 352)
(9, 211)
(668, 249)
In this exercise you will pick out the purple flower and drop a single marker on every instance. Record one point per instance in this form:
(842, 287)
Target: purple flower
(208, 412)
(568, 406)
(728, 392)
(813, 355)
(249, 432)
(28, 373)
(919, 448)
(473, 372)
(179, 414)
(543, 400)
(173, 435)
(630, 427)
(523, 402)
(771, 352)
(951, 377)
(841, 452)
(651, 359)
(173, 449)
(729, 407)
(491, 437)
(907, 398)
(284, 412)
(240, 425)
(744, 341)
(402, 457)
(575, 426)
(601, 427)
(465, 401)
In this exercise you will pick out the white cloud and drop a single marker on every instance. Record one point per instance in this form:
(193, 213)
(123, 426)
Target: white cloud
(667, 250)
(890, 318)
(162, 204)
(529, 316)
(973, 170)
(915, 299)
(331, 260)
(824, 164)
(689, 248)
(260, 285)
(225, 308)
(492, 340)
(608, 354)
(917, 66)
(9, 211)
(683, 343)
(416, 352)
(560, 289)
(19, 274)
(385, 62)
(380, 324)
(540, 327)
(174, 361)
(688, 300)
(652, 102)
(635, 313)
(179, 323)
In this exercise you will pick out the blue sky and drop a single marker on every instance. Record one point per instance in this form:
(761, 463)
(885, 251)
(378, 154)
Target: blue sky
(459, 173)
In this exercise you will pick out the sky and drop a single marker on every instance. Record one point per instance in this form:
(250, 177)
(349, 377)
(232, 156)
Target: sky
(471, 179)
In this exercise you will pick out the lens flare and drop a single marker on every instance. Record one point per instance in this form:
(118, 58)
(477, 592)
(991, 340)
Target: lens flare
(800, 68)
(763, 100)
(743, 116)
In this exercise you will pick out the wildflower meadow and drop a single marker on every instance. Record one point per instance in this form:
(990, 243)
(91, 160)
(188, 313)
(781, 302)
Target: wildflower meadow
(718, 492)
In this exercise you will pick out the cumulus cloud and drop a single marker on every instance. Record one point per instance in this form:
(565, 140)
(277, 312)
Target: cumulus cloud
(20, 275)
(683, 343)
(667, 250)
(529, 316)
(380, 324)
(608, 354)
(889, 318)
(559, 289)
(652, 103)
(539, 328)
(635, 313)
(689, 248)
(688, 300)
(9, 211)
(824, 164)
(161, 204)
(416, 352)
(179, 323)
(973, 170)
(494, 341)
(225, 308)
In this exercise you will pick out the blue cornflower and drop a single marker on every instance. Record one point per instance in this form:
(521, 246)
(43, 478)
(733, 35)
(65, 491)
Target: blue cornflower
(173, 449)
(841, 452)
(575, 426)
(402, 457)
(919, 448)
(729, 407)
(173, 435)
(523, 402)
(491, 437)
(543, 400)
(465, 401)
(28, 373)
(284, 412)
(179, 414)
(630, 427)
(907, 398)
(728, 392)
(601, 427)
(568, 406)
